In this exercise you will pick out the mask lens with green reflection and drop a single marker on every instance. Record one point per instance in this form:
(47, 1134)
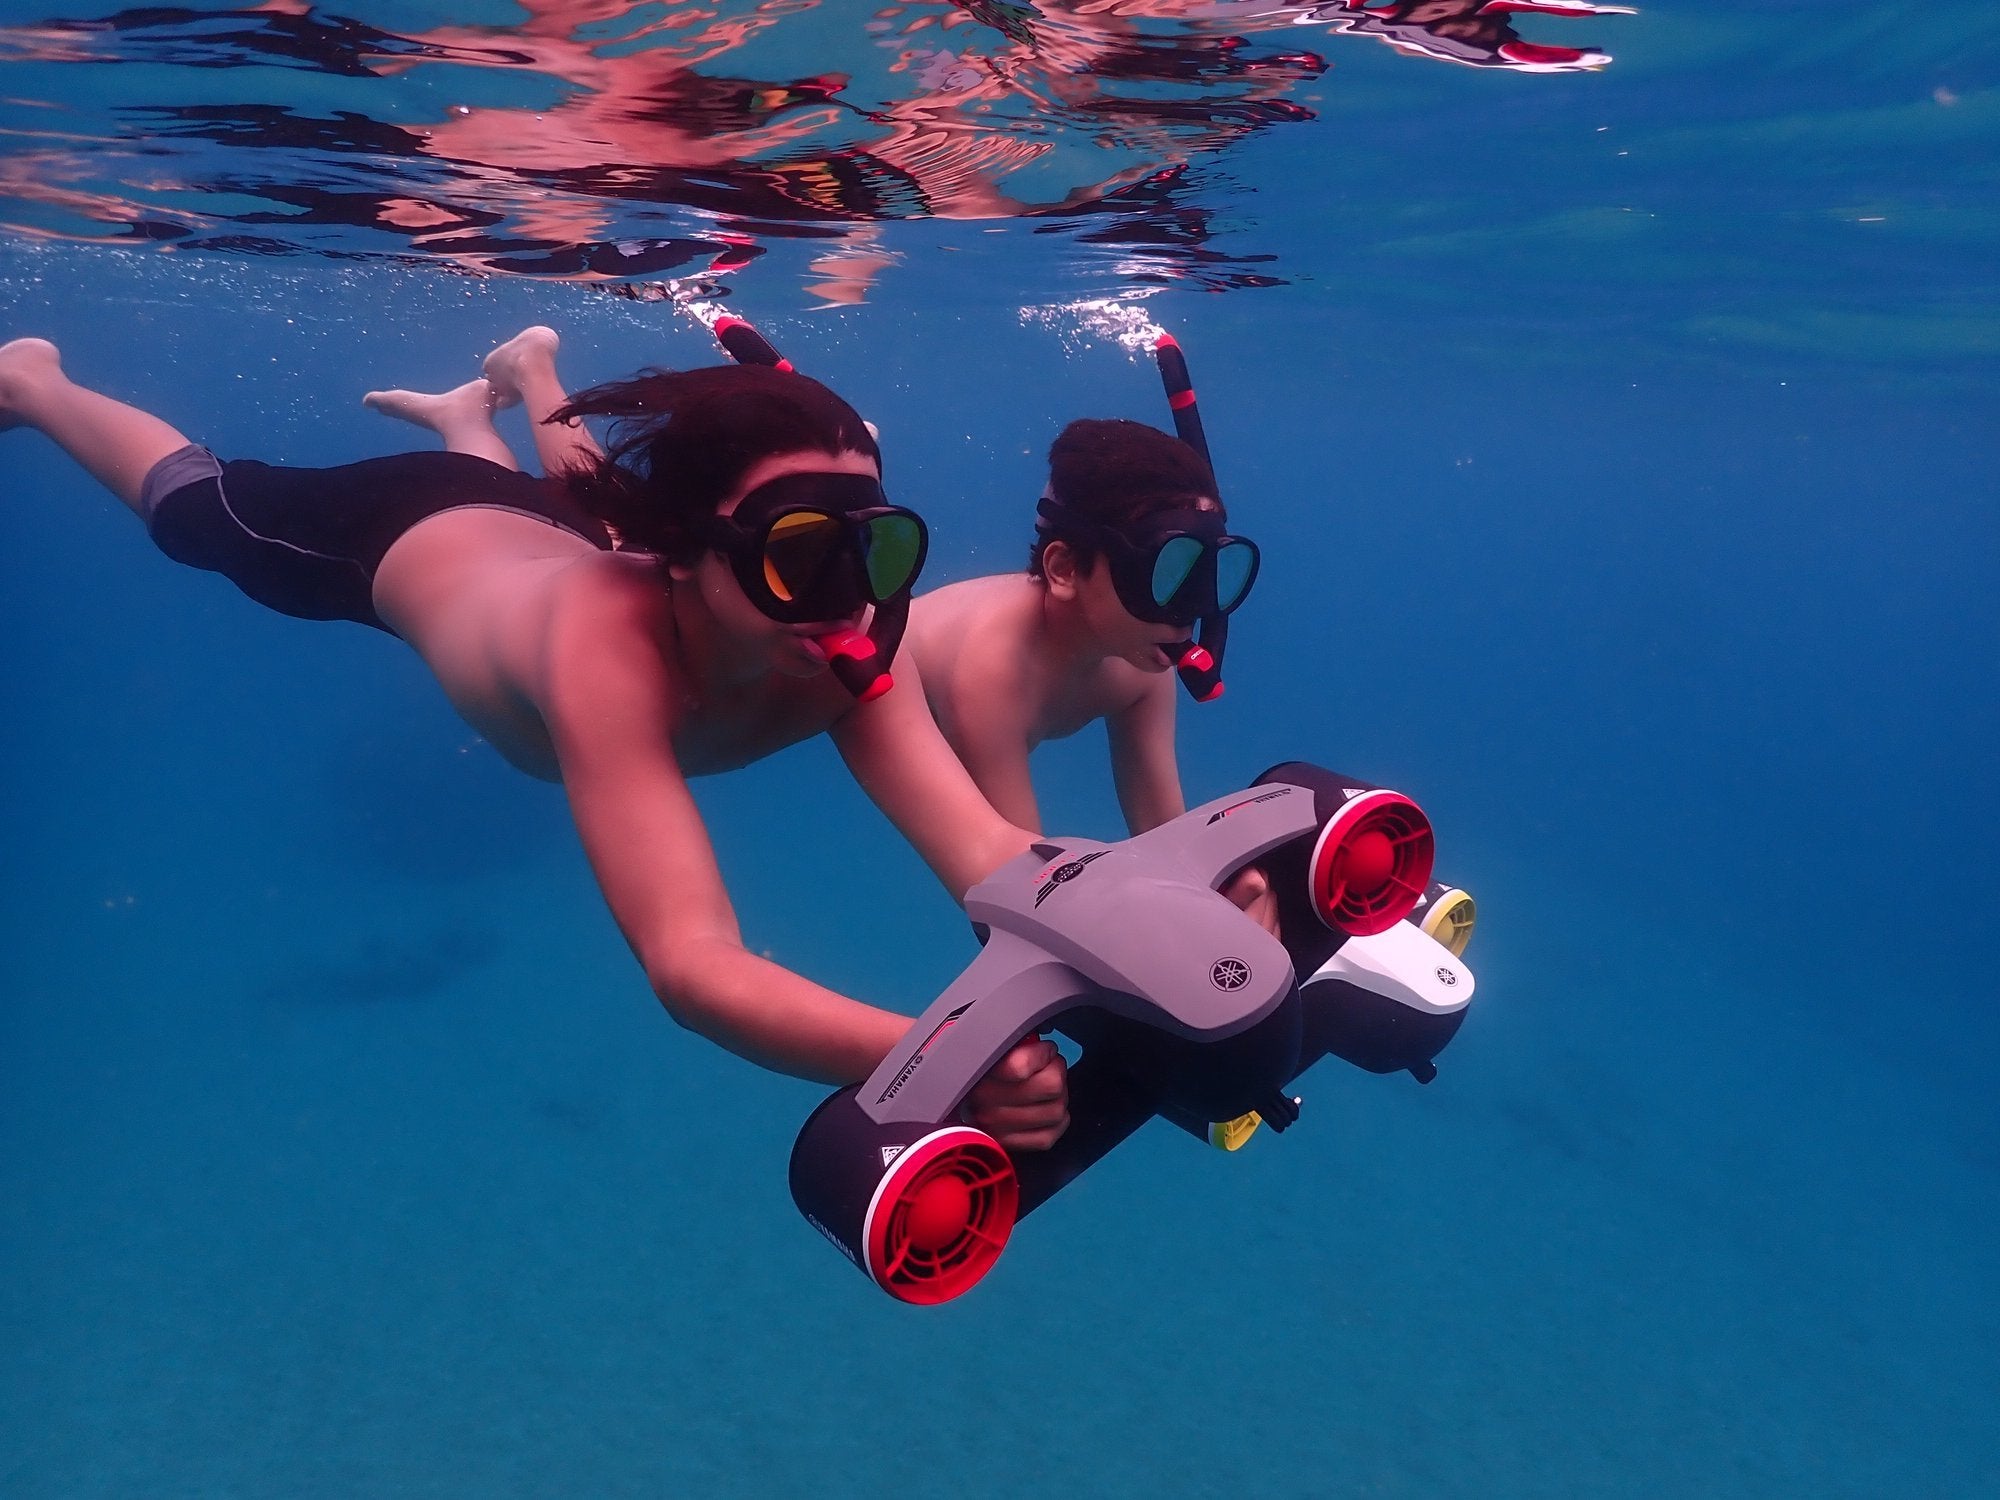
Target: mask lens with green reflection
(892, 546)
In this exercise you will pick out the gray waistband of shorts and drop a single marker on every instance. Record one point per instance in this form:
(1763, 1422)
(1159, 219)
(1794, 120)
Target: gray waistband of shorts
(184, 466)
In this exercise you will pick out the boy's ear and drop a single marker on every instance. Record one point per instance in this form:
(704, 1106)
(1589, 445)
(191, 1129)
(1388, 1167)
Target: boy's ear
(1059, 570)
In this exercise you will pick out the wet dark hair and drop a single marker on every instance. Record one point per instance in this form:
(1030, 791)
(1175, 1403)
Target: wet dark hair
(684, 439)
(1116, 472)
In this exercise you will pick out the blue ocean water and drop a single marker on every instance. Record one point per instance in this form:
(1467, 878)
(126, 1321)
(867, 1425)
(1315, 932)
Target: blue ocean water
(1622, 446)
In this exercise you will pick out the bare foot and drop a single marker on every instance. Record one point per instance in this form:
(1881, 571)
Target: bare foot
(24, 363)
(443, 412)
(462, 417)
(528, 356)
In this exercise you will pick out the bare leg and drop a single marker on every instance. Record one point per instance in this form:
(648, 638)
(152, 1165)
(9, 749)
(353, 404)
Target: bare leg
(462, 417)
(524, 369)
(116, 443)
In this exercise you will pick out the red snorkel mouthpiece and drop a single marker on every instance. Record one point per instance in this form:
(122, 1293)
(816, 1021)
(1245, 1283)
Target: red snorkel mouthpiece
(1198, 671)
(855, 661)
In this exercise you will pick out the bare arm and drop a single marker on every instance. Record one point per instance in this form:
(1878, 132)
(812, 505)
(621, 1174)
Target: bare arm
(900, 758)
(993, 748)
(611, 721)
(1149, 787)
(1143, 765)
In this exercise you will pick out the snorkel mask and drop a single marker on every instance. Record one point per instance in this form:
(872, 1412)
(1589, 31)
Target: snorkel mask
(812, 546)
(817, 546)
(1174, 567)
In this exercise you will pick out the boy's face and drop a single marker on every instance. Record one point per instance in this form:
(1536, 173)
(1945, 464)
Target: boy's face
(1132, 640)
(1113, 628)
(1117, 630)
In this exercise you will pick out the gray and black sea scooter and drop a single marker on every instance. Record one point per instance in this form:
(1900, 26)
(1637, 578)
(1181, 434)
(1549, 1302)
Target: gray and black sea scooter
(1183, 1007)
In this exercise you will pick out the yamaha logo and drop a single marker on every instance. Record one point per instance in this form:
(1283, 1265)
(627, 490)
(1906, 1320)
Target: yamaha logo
(1063, 874)
(1447, 976)
(1229, 974)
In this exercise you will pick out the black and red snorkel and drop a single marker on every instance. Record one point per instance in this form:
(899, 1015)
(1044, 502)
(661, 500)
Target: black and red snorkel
(1198, 661)
(860, 660)
(746, 345)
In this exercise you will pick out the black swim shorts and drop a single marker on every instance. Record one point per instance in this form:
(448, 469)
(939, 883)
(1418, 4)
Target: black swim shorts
(307, 542)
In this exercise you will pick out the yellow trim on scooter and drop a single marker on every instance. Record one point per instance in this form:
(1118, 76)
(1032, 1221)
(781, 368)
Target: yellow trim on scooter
(1232, 1135)
(1450, 921)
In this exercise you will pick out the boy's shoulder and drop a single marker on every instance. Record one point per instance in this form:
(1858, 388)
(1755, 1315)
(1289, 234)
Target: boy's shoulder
(608, 626)
(983, 615)
(989, 591)
(974, 643)
(619, 680)
(612, 599)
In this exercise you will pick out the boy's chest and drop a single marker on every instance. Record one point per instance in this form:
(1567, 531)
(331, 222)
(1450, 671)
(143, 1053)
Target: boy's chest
(733, 731)
(1067, 707)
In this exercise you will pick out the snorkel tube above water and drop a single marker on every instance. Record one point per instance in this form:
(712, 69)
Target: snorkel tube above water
(747, 346)
(859, 660)
(1198, 661)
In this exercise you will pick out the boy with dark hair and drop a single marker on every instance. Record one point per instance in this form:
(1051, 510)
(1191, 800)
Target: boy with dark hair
(1129, 521)
(1117, 472)
(618, 672)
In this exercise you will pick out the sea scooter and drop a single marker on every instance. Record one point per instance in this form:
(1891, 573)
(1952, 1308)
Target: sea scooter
(1183, 1007)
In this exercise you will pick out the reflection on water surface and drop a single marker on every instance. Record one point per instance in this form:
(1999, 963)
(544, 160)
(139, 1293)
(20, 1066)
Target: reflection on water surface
(602, 139)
